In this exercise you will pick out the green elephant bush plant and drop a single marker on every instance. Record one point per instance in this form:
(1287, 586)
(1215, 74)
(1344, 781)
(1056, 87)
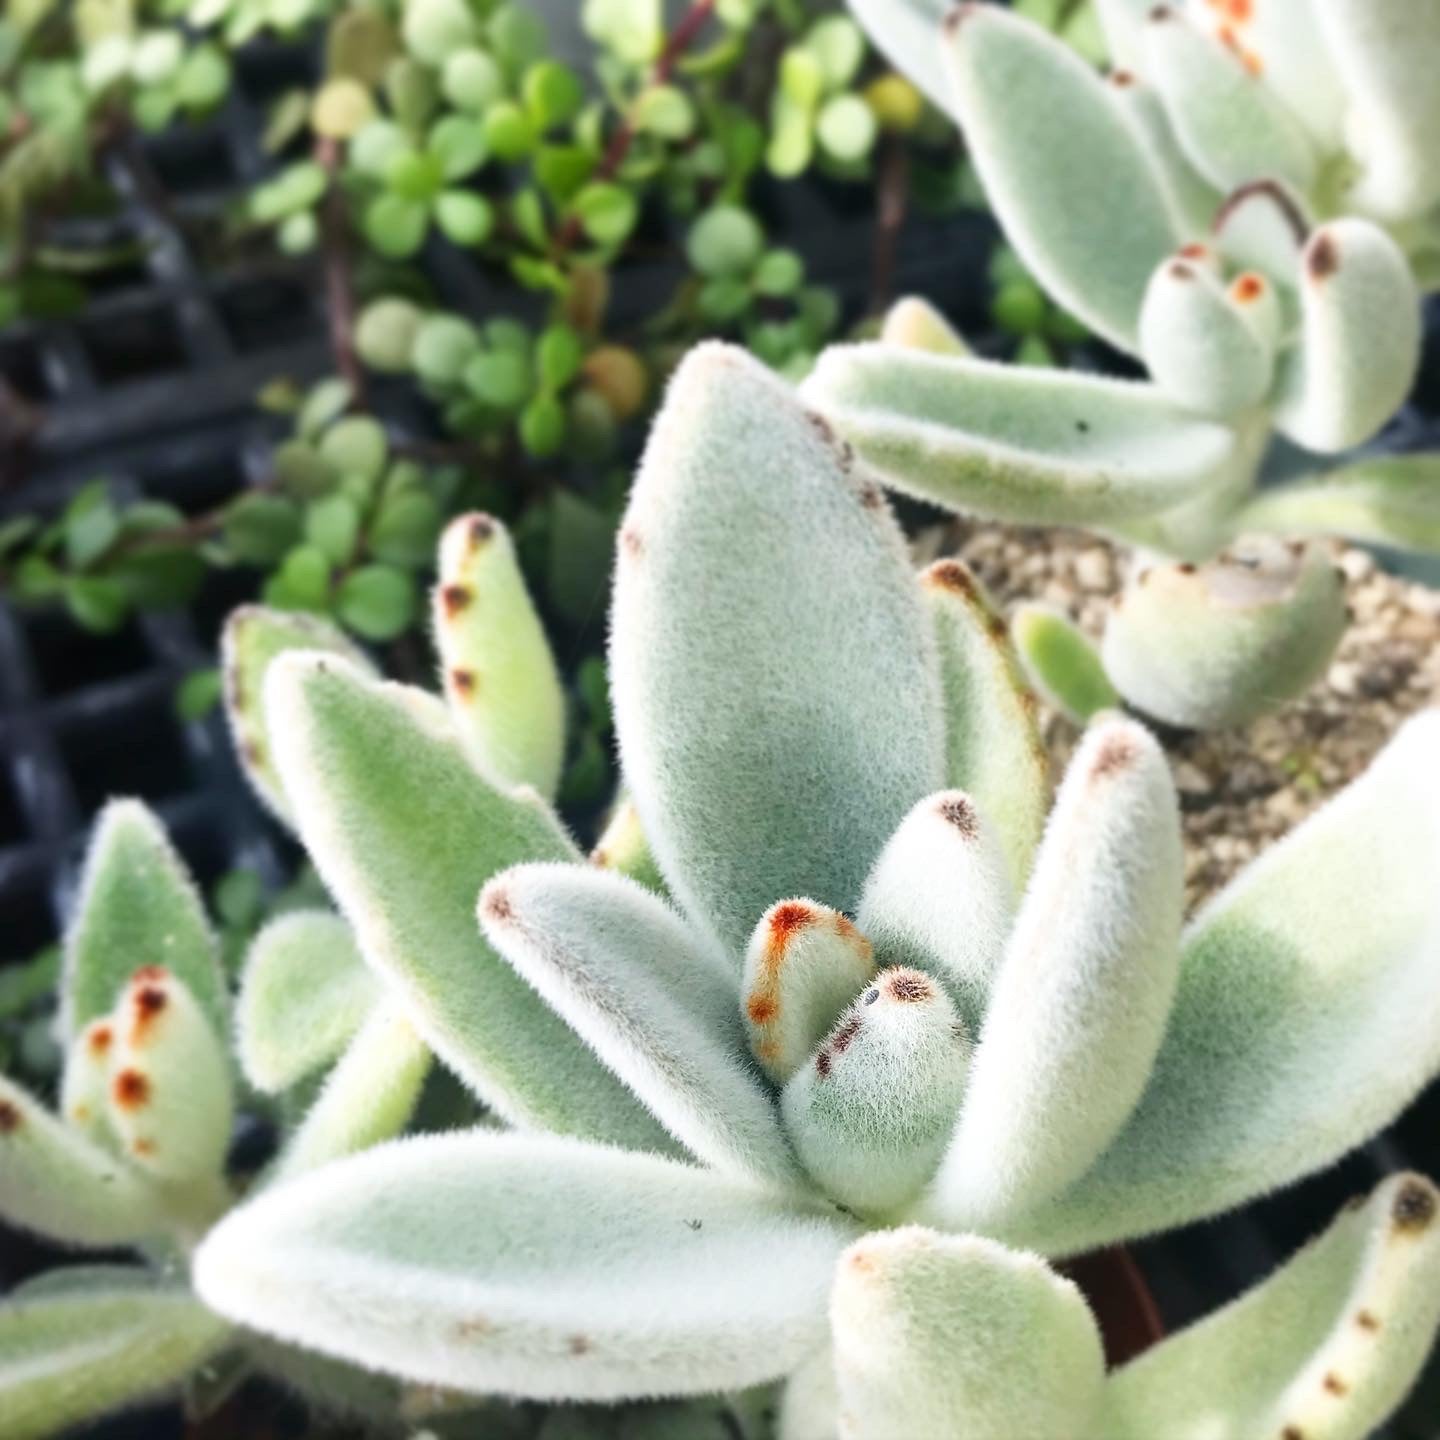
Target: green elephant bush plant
(1246, 206)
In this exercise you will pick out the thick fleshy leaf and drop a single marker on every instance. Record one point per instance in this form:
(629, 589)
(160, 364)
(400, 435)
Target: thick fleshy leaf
(1080, 1004)
(500, 677)
(945, 1335)
(1047, 138)
(304, 992)
(1222, 644)
(652, 1000)
(1307, 1014)
(1325, 1348)
(1230, 124)
(992, 736)
(771, 740)
(137, 906)
(1192, 200)
(405, 832)
(1385, 52)
(940, 899)
(587, 1273)
(810, 1402)
(1388, 500)
(171, 1098)
(253, 636)
(1264, 225)
(804, 965)
(1198, 345)
(1359, 344)
(622, 847)
(1123, 24)
(907, 33)
(869, 1115)
(916, 323)
(90, 1347)
(1005, 442)
(59, 1184)
(368, 1097)
(85, 1083)
(1062, 663)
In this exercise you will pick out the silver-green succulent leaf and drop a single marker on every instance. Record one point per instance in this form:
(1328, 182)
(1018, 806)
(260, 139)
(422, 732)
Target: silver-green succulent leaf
(1062, 663)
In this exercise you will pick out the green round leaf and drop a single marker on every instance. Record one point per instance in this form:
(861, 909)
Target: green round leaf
(302, 582)
(558, 355)
(607, 212)
(725, 241)
(377, 602)
(780, 273)
(472, 80)
(332, 525)
(385, 334)
(444, 345)
(406, 529)
(542, 426)
(435, 29)
(96, 602)
(356, 445)
(260, 528)
(396, 226)
(846, 128)
(508, 131)
(463, 217)
(552, 93)
(459, 144)
(665, 111)
(499, 378)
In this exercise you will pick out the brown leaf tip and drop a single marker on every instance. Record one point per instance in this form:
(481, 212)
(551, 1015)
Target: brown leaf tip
(150, 1000)
(822, 1064)
(761, 1008)
(1117, 752)
(579, 1344)
(1179, 270)
(1323, 257)
(497, 906)
(1414, 1207)
(1367, 1320)
(482, 527)
(910, 987)
(131, 1089)
(1335, 1384)
(100, 1039)
(787, 920)
(842, 1038)
(9, 1117)
(957, 810)
(1121, 79)
(1292, 1432)
(1160, 13)
(463, 681)
(952, 575)
(455, 598)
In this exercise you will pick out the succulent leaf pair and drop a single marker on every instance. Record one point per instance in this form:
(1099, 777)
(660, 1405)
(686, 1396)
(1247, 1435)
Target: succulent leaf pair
(1012, 1037)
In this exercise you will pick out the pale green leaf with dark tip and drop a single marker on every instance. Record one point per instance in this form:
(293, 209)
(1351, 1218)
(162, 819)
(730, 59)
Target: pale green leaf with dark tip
(586, 1272)
(1388, 500)
(137, 906)
(805, 963)
(870, 1114)
(107, 1342)
(1222, 644)
(59, 1184)
(1047, 140)
(1325, 1348)
(1199, 347)
(1037, 447)
(1359, 343)
(1062, 663)
(368, 1097)
(993, 747)
(941, 898)
(253, 636)
(946, 1335)
(499, 675)
(304, 991)
(650, 997)
(1081, 1001)
(737, 709)
(1230, 124)
(1307, 1014)
(916, 323)
(1385, 52)
(405, 832)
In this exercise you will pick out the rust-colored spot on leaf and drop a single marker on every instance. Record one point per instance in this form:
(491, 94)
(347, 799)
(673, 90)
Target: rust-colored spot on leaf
(10, 1117)
(822, 1063)
(952, 575)
(1414, 1207)
(1367, 1320)
(131, 1090)
(482, 527)
(1117, 752)
(1194, 251)
(1247, 289)
(631, 542)
(150, 1001)
(1292, 1432)
(1185, 568)
(909, 986)
(871, 496)
(463, 681)
(1335, 1384)
(497, 906)
(580, 1345)
(1179, 270)
(100, 1040)
(143, 1146)
(150, 975)
(787, 920)
(1323, 258)
(864, 1262)
(761, 1009)
(957, 810)
(1121, 79)
(455, 598)
(841, 1040)
(1161, 13)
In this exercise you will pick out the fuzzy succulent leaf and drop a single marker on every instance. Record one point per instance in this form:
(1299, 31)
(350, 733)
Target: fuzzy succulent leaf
(1046, 137)
(59, 1184)
(758, 767)
(1359, 344)
(1324, 1348)
(368, 1097)
(405, 832)
(304, 992)
(1037, 447)
(137, 906)
(917, 324)
(1062, 663)
(1231, 125)
(1387, 500)
(1122, 22)
(85, 1082)
(589, 1273)
(171, 1097)
(940, 899)
(1081, 1000)
(500, 676)
(870, 1114)
(805, 963)
(1220, 645)
(109, 1339)
(1198, 345)
(1263, 225)
(1385, 52)
(1307, 1014)
(810, 1401)
(1192, 200)
(954, 1335)
(651, 998)
(623, 848)
(253, 636)
(993, 747)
